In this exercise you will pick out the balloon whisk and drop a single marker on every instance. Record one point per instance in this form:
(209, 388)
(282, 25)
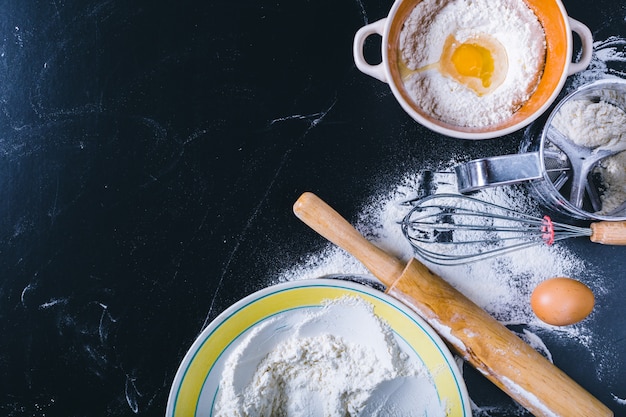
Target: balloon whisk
(450, 229)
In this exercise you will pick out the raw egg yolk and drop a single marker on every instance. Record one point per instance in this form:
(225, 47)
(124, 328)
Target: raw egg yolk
(479, 63)
(473, 60)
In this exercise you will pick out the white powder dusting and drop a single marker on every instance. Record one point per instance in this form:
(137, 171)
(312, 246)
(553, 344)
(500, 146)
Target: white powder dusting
(510, 22)
(323, 364)
(620, 401)
(608, 61)
(599, 125)
(528, 397)
(535, 341)
(502, 285)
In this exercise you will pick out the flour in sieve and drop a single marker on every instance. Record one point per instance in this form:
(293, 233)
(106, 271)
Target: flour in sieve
(608, 61)
(511, 22)
(599, 125)
(333, 373)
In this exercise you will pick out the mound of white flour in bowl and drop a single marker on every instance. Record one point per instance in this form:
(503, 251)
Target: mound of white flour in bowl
(511, 22)
(333, 373)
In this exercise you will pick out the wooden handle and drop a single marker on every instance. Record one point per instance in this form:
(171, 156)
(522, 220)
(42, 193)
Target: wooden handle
(495, 351)
(322, 218)
(608, 233)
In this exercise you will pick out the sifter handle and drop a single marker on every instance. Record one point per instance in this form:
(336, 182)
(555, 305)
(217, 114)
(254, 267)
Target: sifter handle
(608, 233)
(498, 170)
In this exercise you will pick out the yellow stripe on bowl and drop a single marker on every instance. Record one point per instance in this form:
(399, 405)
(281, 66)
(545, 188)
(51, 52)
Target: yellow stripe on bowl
(246, 313)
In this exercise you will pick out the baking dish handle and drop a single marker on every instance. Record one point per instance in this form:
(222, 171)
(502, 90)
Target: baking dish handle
(587, 46)
(376, 71)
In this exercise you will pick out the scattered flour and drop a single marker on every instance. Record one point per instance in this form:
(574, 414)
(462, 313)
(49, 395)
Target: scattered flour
(500, 285)
(510, 22)
(608, 61)
(316, 367)
(599, 125)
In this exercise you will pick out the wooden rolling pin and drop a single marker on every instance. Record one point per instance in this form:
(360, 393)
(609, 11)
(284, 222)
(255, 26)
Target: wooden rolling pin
(505, 359)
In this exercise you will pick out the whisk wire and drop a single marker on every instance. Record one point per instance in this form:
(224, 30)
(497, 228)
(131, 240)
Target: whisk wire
(452, 228)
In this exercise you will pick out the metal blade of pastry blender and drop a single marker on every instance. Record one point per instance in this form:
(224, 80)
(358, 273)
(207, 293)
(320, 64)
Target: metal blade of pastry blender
(582, 160)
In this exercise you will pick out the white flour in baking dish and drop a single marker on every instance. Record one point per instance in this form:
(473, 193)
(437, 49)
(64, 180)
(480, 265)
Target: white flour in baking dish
(325, 365)
(510, 22)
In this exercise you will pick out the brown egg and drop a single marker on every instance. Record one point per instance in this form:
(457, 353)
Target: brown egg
(562, 301)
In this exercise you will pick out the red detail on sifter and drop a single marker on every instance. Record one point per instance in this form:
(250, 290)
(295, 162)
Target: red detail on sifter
(547, 230)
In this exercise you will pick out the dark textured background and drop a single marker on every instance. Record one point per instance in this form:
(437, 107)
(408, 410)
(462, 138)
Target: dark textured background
(150, 152)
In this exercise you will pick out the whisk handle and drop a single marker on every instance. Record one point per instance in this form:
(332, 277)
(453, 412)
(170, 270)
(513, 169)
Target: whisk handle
(608, 233)
(322, 218)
